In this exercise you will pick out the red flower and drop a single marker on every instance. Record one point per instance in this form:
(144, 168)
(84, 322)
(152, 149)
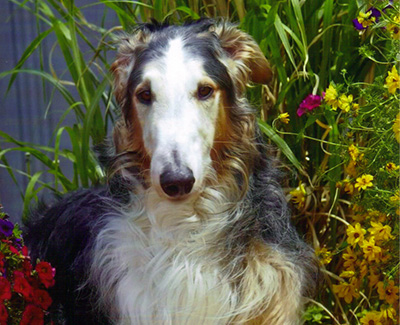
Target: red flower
(3, 314)
(24, 251)
(22, 286)
(2, 259)
(14, 250)
(5, 289)
(27, 267)
(42, 299)
(46, 273)
(32, 316)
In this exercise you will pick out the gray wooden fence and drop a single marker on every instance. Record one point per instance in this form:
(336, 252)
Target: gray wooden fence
(23, 108)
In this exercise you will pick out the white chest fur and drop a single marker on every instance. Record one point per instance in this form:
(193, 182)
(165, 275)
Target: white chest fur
(168, 264)
(153, 276)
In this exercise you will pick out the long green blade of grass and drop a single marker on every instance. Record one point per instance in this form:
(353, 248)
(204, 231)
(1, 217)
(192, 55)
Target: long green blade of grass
(30, 193)
(27, 53)
(285, 41)
(281, 144)
(326, 42)
(55, 82)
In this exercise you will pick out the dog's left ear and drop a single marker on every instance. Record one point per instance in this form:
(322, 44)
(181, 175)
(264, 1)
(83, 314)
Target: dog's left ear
(247, 60)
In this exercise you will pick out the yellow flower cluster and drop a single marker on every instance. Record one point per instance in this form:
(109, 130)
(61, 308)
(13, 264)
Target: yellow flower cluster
(382, 317)
(370, 249)
(345, 103)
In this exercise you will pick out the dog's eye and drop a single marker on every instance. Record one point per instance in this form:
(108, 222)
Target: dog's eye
(204, 92)
(144, 97)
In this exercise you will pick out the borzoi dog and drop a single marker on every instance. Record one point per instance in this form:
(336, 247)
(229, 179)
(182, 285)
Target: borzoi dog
(192, 227)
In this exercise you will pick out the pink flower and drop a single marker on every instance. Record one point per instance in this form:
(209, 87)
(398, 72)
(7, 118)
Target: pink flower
(308, 104)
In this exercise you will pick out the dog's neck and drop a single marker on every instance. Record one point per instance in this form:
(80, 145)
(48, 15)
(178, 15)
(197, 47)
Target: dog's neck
(199, 221)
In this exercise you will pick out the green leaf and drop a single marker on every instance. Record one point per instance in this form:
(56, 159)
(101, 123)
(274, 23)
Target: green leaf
(186, 10)
(30, 193)
(27, 53)
(279, 26)
(326, 42)
(55, 82)
(281, 144)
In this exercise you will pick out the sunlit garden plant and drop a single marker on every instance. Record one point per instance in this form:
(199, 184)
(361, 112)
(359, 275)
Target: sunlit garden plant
(332, 111)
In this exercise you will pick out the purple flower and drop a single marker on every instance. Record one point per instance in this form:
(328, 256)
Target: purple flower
(6, 228)
(365, 19)
(308, 104)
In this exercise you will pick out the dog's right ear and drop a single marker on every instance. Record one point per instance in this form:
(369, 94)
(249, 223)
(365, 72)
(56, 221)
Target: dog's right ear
(248, 62)
(128, 49)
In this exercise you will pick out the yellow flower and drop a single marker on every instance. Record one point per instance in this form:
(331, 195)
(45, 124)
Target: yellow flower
(390, 167)
(377, 216)
(345, 102)
(351, 168)
(331, 97)
(371, 318)
(388, 313)
(380, 232)
(396, 128)
(364, 181)
(392, 80)
(386, 255)
(388, 292)
(347, 274)
(284, 118)
(394, 27)
(345, 290)
(357, 208)
(299, 195)
(353, 152)
(373, 277)
(395, 199)
(364, 267)
(365, 19)
(350, 259)
(355, 235)
(371, 251)
(324, 255)
(348, 187)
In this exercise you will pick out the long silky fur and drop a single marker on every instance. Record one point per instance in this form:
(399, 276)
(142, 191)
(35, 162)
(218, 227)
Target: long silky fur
(228, 256)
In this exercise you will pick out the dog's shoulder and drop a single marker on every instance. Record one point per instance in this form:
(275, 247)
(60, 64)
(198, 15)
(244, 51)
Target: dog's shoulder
(67, 222)
(62, 233)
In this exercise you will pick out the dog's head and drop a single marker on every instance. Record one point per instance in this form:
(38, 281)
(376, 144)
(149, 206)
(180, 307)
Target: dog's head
(179, 89)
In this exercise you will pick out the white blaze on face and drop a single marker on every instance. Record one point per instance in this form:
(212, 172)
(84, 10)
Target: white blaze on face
(178, 127)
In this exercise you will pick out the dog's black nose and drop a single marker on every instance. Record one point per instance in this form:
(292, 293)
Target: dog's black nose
(177, 183)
